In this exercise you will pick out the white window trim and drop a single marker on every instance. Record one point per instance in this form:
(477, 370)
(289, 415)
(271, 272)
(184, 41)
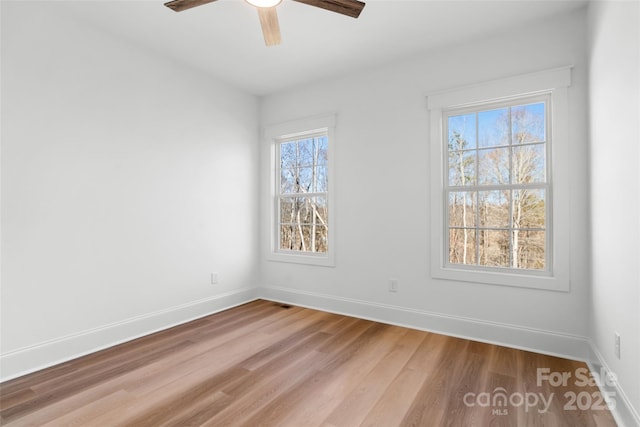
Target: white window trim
(554, 81)
(272, 135)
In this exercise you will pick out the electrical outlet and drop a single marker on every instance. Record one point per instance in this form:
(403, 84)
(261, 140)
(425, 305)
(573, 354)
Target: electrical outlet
(616, 348)
(214, 278)
(393, 285)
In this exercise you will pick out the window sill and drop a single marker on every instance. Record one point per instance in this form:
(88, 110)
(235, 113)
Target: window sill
(315, 260)
(532, 281)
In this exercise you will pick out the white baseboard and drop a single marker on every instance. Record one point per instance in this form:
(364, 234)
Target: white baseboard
(623, 411)
(33, 358)
(541, 341)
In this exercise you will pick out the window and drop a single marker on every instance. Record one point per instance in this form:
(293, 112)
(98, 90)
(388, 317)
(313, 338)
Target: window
(500, 206)
(496, 188)
(301, 191)
(303, 220)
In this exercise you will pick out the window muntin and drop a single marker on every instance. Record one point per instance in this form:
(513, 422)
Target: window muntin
(497, 191)
(302, 194)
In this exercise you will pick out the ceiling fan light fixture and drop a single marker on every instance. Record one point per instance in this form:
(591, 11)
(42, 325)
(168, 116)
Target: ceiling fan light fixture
(264, 3)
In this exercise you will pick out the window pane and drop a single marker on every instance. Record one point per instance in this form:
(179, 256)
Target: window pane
(306, 211)
(322, 180)
(320, 244)
(462, 168)
(288, 157)
(462, 246)
(289, 237)
(494, 248)
(321, 149)
(529, 208)
(530, 246)
(289, 209)
(295, 210)
(305, 152)
(305, 241)
(305, 179)
(529, 164)
(494, 208)
(493, 166)
(321, 212)
(288, 181)
(462, 209)
(528, 123)
(462, 132)
(493, 127)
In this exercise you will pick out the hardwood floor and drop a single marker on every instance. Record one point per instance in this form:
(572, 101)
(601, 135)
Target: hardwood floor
(264, 365)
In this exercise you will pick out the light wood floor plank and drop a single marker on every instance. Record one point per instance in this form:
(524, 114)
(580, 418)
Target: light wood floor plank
(267, 364)
(357, 404)
(391, 407)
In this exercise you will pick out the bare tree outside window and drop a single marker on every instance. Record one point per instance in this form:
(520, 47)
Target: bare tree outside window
(303, 195)
(497, 190)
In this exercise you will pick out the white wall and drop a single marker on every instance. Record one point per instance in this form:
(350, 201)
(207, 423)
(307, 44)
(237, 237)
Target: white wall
(382, 198)
(126, 180)
(614, 87)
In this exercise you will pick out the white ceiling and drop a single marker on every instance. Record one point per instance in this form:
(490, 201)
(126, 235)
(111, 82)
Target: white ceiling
(224, 38)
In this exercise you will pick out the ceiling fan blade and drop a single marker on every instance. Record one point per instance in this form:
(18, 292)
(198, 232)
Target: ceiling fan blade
(180, 5)
(350, 8)
(270, 26)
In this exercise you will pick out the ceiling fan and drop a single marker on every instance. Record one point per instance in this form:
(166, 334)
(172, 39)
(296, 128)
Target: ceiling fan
(269, 17)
